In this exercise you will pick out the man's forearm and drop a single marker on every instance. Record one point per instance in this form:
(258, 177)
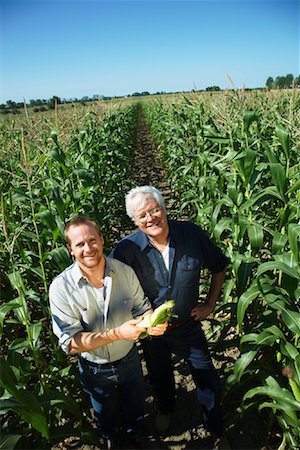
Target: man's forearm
(89, 341)
(214, 292)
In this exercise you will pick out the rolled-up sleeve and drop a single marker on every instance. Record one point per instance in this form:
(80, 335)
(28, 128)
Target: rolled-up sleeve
(65, 322)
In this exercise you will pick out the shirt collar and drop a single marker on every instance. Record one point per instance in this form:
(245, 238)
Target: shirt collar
(144, 241)
(78, 275)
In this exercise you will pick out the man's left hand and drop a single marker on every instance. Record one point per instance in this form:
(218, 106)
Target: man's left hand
(158, 330)
(202, 311)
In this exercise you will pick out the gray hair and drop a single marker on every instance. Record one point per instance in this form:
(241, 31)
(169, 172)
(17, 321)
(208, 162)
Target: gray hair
(135, 198)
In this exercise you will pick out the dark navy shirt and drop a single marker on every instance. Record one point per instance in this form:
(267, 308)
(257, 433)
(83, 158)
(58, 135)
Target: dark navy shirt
(190, 251)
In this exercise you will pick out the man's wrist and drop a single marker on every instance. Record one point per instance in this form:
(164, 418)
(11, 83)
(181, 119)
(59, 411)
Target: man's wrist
(210, 302)
(111, 334)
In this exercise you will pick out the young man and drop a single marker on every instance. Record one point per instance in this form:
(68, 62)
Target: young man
(95, 303)
(168, 256)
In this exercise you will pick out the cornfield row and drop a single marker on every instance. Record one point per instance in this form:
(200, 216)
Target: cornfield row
(233, 163)
(234, 166)
(51, 171)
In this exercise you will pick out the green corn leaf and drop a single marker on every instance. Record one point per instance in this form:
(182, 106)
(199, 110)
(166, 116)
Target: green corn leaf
(32, 413)
(5, 309)
(273, 329)
(61, 401)
(284, 140)
(28, 406)
(294, 238)
(35, 331)
(271, 156)
(277, 265)
(278, 242)
(221, 226)
(245, 164)
(265, 195)
(243, 276)
(244, 301)
(256, 235)
(294, 187)
(279, 178)
(292, 320)
(7, 378)
(297, 367)
(9, 441)
(61, 257)
(266, 337)
(289, 415)
(290, 350)
(217, 209)
(243, 362)
(16, 281)
(249, 117)
(19, 344)
(281, 396)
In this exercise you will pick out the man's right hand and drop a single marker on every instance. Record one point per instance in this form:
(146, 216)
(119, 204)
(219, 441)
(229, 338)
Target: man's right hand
(128, 330)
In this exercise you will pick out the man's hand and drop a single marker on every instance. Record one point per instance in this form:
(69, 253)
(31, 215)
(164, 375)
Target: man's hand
(158, 330)
(202, 311)
(128, 330)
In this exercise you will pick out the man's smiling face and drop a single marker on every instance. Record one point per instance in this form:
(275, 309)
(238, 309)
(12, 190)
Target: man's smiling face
(86, 245)
(151, 218)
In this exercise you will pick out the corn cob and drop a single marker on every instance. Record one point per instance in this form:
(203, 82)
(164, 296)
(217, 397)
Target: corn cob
(159, 315)
(288, 372)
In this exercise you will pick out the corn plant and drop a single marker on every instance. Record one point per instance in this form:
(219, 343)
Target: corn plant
(234, 164)
(52, 171)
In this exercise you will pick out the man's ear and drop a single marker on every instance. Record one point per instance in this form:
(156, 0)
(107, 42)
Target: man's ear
(69, 248)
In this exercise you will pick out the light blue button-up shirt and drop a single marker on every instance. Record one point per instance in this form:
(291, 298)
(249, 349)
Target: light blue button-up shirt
(76, 305)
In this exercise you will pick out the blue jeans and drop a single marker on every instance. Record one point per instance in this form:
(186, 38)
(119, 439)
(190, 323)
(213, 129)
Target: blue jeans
(117, 395)
(189, 343)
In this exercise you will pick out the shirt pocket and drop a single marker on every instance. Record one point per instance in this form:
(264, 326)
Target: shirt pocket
(188, 271)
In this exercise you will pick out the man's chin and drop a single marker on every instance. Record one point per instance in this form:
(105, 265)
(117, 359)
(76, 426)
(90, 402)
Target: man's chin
(154, 232)
(91, 263)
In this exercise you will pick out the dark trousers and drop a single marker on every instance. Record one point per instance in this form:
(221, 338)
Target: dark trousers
(189, 343)
(117, 395)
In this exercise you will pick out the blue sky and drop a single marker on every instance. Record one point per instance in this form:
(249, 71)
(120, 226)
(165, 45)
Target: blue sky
(77, 48)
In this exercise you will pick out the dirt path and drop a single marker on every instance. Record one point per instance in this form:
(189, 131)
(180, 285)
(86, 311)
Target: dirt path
(147, 168)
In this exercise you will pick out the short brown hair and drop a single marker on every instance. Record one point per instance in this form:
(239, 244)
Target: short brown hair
(81, 220)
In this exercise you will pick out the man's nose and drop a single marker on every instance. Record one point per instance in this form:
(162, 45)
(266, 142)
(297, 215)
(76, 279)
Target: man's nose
(149, 216)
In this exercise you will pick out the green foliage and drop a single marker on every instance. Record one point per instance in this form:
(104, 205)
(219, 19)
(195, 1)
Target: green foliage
(233, 164)
(50, 172)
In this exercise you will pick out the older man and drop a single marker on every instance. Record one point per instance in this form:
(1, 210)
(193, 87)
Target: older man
(168, 256)
(95, 303)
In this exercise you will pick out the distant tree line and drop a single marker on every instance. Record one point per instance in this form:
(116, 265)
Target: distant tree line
(44, 105)
(282, 82)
